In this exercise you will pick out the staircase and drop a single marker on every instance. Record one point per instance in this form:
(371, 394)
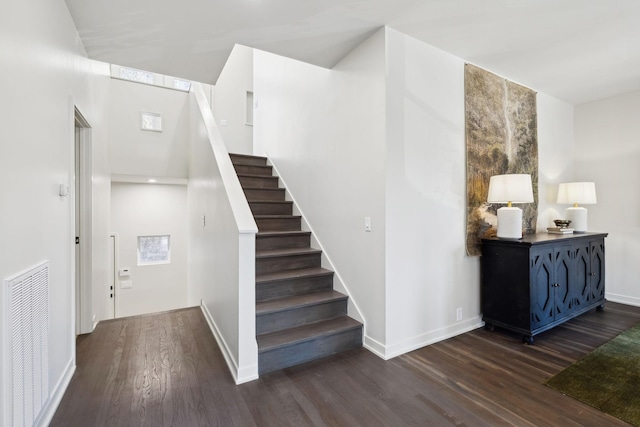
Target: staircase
(299, 317)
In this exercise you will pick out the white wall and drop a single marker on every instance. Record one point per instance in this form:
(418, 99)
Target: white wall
(428, 274)
(324, 132)
(43, 76)
(150, 210)
(607, 152)
(229, 100)
(133, 151)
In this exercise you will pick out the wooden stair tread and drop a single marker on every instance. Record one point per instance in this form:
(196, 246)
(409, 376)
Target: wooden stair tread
(298, 301)
(262, 188)
(253, 166)
(239, 157)
(274, 340)
(276, 217)
(275, 202)
(250, 156)
(252, 188)
(292, 274)
(253, 175)
(283, 233)
(286, 252)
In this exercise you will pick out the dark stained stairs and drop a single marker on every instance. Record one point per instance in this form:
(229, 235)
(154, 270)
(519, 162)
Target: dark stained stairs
(299, 317)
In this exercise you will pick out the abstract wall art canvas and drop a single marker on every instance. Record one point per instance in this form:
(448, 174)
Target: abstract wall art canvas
(501, 138)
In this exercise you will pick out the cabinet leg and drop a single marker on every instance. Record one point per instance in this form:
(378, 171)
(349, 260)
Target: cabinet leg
(527, 339)
(600, 307)
(489, 327)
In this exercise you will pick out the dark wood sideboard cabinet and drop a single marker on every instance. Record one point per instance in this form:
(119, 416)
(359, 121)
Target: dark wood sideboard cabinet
(535, 283)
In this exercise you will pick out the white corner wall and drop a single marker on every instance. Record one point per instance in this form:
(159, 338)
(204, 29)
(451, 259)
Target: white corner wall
(100, 184)
(324, 131)
(428, 274)
(133, 151)
(150, 210)
(607, 152)
(44, 76)
(230, 100)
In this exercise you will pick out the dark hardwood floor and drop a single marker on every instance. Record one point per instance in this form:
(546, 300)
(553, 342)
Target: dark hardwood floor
(166, 370)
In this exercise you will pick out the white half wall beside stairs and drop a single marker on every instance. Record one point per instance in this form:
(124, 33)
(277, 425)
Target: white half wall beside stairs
(221, 244)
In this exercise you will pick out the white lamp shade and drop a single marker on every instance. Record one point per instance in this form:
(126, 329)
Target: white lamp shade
(514, 188)
(572, 193)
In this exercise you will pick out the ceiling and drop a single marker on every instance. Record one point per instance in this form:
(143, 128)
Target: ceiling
(574, 50)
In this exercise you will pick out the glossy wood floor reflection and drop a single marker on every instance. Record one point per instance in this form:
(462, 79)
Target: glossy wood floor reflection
(166, 370)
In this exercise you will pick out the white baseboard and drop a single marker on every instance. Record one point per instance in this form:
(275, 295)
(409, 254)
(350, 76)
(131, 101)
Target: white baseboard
(389, 352)
(623, 299)
(374, 347)
(49, 410)
(240, 375)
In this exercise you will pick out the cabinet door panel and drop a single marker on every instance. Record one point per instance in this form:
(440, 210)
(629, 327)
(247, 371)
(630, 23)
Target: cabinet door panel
(581, 280)
(597, 269)
(541, 288)
(561, 272)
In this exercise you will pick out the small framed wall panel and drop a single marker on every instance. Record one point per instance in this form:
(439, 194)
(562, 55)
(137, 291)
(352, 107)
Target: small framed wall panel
(151, 121)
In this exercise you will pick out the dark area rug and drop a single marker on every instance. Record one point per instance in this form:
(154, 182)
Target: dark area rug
(607, 378)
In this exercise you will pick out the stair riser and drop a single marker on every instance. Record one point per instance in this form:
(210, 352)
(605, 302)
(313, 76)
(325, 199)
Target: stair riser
(278, 321)
(282, 242)
(270, 194)
(258, 181)
(248, 160)
(261, 208)
(285, 263)
(278, 224)
(254, 170)
(309, 350)
(291, 287)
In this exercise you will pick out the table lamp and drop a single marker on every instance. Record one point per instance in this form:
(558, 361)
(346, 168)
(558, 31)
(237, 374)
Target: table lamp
(572, 193)
(510, 188)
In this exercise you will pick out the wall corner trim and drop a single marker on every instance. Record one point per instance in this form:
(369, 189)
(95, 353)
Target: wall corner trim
(49, 410)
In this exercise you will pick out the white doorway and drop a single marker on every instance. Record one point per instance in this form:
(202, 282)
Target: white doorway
(113, 276)
(82, 229)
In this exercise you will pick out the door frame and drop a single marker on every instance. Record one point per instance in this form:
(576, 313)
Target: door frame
(82, 201)
(113, 237)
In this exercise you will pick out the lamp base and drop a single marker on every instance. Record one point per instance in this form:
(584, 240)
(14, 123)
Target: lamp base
(578, 217)
(509, 223)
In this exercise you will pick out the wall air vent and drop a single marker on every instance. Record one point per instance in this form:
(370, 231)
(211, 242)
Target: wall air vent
(26, 313)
